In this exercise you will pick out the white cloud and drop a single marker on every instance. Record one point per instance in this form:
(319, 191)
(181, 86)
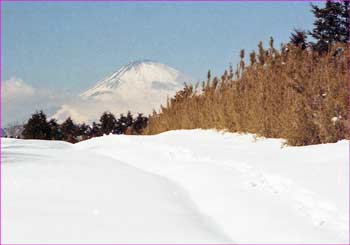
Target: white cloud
(89, 110)
(16, 88)
(20, 100)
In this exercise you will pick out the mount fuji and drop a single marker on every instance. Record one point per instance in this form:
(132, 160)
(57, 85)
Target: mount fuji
(140, 86)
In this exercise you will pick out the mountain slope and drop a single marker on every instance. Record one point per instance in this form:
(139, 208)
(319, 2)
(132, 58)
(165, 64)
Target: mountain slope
(139, 86)
(139, 75)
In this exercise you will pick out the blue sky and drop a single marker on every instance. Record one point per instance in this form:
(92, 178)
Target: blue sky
(71, 45)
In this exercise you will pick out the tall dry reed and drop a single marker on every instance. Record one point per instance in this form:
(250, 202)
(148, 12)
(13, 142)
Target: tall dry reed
(288, 93)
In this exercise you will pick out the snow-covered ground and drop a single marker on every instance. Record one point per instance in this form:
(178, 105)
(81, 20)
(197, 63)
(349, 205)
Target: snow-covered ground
(177, 187)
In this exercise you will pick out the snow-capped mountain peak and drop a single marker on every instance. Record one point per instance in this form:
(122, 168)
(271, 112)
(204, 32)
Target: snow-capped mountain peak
(139, 86)
(145, 74)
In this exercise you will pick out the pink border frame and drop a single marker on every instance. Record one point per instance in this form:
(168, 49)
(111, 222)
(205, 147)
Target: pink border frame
(166, 0)
(1, 61)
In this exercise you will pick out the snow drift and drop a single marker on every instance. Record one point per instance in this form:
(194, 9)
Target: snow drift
(177, 187)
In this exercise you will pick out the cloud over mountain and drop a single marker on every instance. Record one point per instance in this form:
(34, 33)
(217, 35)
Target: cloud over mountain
(20, 100)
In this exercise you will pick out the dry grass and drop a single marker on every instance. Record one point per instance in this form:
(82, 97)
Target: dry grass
(288, 93)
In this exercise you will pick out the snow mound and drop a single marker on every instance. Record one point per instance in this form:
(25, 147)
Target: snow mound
(190, 186)
(53, 193)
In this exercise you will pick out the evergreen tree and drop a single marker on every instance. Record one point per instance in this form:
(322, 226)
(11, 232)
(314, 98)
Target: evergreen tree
(108, 123)
(331, 24)
(95, 130)
(124, 122)
(84, 131)
(139, 124)
(345, 20)
(69, 130)
(55, 131)
(129, 119)
(37, 127)
(121, 125)
(298, 38)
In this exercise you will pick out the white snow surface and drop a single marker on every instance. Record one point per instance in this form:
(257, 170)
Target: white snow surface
(187, 186)
(139, 86)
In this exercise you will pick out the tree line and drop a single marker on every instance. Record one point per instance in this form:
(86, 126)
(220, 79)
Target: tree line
(297, 92)
(39, 127)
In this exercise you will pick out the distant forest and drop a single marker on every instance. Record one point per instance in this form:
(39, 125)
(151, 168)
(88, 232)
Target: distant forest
(38, 127)
(298, 92)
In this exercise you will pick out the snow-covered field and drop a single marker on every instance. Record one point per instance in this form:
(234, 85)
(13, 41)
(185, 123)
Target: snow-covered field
(177, 187)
